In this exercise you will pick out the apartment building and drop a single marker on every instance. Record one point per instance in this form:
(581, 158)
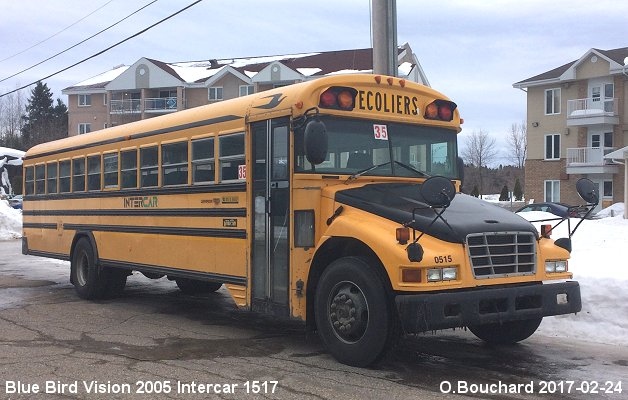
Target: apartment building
(150, 87)
(576, 115)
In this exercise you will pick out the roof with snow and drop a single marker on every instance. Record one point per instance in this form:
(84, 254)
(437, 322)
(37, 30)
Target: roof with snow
(308, 65)
(615, 57)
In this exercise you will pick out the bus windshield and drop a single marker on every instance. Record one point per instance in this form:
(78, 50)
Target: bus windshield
(378, 148)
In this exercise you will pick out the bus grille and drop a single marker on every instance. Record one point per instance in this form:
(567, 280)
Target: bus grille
(499, 254)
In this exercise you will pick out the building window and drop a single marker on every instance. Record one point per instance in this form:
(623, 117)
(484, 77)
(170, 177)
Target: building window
(552, 191)
(215, 93)
(552, 101)
(149, 166)
(174, 163)
(552, 147)
(93, 173)
(203, 161)
(608, 189)
(104, 99)
(84, 128)
(84, 100)
(129, 169)
(232, 165)
(245, 90)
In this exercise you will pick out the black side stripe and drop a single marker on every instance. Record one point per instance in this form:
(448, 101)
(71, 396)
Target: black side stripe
(38, 225)
(123, 138)
(144, 212)
(160, 230)
(175, 272)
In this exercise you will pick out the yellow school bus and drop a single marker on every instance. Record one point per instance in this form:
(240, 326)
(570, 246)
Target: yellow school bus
(334, 202)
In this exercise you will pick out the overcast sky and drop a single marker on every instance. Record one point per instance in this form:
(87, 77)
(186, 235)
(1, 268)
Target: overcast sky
(473, 51)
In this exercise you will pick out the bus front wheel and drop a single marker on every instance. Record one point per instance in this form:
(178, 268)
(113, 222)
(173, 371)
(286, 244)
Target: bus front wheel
(90, 282)
(506, 332)
(353, 314)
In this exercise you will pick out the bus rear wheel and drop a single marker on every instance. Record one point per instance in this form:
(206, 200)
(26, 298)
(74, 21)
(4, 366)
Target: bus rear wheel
(89, 281)
(191, 286)
(353, 312)
(506, 332)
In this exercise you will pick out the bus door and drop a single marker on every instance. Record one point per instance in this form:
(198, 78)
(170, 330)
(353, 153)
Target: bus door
(271, 210)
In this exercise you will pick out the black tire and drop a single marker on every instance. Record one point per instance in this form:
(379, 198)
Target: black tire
(191, 286)
(507, 332)
(91, 282)
(354, 315)
(84, 270)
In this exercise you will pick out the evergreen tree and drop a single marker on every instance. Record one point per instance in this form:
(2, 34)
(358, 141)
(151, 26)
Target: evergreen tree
(475, 192)
(518, 192)
(503, 196)
(43, 122)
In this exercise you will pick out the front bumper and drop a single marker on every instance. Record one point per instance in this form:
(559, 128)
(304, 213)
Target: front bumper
(433, 311)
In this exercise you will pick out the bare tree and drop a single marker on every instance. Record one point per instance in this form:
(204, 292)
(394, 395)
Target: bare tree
(517, 143)
(479, 151)
(12, 108)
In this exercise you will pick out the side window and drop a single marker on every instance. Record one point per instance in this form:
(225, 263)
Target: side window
(64, 176)
(78, 175)
(93, 173)
(552, 147)
(40, 179)
(84, 100)
(29, 180)
(51, 180)
(215, 93)
(231, 157)
(552, 101)
(174, 163)
(149, 166)
(203, 161)
(110, 162)
(129, 169)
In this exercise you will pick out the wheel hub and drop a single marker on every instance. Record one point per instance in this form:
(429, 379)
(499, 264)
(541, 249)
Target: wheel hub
(348, 312)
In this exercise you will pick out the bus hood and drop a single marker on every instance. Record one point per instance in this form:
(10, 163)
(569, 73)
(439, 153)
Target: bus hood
(465, 215)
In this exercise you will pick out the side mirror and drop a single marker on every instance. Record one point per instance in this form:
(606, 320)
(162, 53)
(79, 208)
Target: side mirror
(588, 191)
(438, 191)
(315, 141)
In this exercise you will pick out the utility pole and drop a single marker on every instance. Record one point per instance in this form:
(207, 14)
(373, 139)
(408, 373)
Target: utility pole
(384, 31)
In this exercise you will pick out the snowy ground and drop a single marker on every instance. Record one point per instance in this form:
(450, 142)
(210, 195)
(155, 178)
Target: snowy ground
(599, 261)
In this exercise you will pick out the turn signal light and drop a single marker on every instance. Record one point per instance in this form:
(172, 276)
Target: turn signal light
(546, 230)
(440, 110)
(411, 275)
(403, 235)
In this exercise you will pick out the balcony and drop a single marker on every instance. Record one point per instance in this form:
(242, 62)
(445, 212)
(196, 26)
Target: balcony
(590, 111)
(160, 105)
(125, 107)
(590, 160)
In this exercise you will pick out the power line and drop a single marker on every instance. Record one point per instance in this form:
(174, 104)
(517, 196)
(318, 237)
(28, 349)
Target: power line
(105, 50)
(50, 37)
(79, 43)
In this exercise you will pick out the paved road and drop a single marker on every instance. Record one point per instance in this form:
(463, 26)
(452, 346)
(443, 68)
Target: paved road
(174, 346)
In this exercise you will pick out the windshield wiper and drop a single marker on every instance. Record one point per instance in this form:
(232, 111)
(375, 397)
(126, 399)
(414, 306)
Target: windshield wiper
(411, 168)
(364, 171)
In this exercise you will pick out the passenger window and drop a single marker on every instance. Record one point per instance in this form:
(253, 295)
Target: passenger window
(64, 176)
(29, 180)
(174, 163)
(149, 166)
(78, 175)
(129, 169)
(231, 157)
(51, 180)
(93, 173)
(110, 162)
(203, 161)
(40, 179)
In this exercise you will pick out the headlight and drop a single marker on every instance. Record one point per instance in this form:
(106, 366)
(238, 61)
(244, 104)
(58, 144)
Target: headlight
(556, 266)
(434, 275)
(450, 274)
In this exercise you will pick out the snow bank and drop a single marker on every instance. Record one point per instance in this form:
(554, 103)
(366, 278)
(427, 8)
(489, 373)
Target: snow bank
(615, 209)
(10, 222)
